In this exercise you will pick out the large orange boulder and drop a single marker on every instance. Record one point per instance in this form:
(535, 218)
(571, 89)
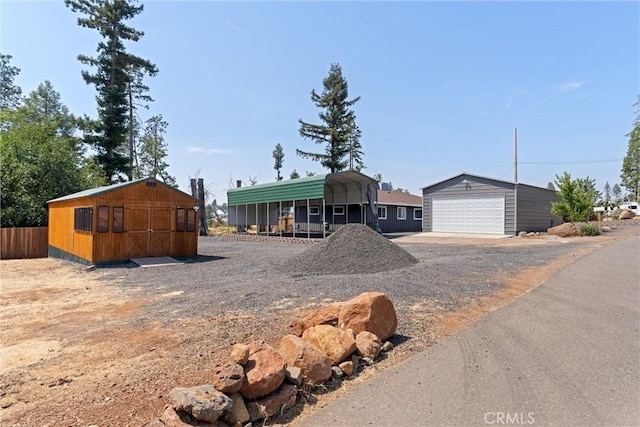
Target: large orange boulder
(568, 229)
(369, 311)
(626, 214)
(338, 344)
(264, 371)
(323, 316)
(313, 362)
(368, 344)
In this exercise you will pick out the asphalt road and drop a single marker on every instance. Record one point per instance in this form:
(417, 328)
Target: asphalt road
(567, 353)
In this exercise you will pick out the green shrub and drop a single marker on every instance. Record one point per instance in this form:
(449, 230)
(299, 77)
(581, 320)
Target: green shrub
(589, 230)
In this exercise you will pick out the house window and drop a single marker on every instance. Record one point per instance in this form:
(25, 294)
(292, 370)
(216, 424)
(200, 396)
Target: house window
(118, 220)
(191, 220)
(402, 212)
(83, 219)
(181, 220)
(417, 214)
(382, 212)
(338, 210)
(314, 210)
(103, 219)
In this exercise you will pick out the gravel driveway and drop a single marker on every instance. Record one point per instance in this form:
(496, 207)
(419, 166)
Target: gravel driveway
(243, 278)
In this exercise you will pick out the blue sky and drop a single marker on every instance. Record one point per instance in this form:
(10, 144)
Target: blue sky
(443, 84)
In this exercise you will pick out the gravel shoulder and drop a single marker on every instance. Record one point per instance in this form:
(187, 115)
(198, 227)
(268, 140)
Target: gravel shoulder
(105, 346)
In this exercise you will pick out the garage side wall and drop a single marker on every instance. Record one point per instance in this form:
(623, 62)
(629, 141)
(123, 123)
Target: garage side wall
(534, 208)
(475, 187)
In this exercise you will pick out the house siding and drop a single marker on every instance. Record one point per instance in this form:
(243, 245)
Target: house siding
(477, 187)
(392, 224)
(534, 208)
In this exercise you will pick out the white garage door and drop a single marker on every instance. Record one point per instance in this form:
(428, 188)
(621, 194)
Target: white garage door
(469, 215)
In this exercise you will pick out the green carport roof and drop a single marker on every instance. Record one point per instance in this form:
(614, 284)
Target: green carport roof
(311, 187)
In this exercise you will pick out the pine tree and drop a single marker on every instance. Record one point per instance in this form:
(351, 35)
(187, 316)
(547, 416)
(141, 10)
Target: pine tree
(338, 122)
(616, 192)
(111, 78)
(607, 193)
(630, 176)
(294, 175)
(153, 151)
(355, 148)
(278, 157)
(138, 97)
(10, 93)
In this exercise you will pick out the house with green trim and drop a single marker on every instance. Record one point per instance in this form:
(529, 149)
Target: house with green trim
(315, 205)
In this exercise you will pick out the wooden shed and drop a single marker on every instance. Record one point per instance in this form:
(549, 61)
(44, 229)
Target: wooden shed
(143, 218)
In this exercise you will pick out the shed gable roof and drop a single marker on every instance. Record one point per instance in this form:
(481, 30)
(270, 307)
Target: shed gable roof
(499, 181)
(92, 192)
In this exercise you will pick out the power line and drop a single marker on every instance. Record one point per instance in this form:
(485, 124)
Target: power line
(571, 163)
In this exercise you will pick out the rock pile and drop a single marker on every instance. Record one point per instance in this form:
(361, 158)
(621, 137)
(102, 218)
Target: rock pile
(260, 382)
(353, 249)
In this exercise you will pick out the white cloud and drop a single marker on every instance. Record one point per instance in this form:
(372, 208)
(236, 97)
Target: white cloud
(515, 94)
(207, 151)
(233, 26)
(568, 87)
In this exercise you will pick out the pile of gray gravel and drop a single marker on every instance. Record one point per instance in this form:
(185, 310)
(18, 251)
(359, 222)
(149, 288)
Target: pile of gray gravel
(353, 249)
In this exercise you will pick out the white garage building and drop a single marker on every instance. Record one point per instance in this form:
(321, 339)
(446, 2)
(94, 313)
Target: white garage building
(469, 203)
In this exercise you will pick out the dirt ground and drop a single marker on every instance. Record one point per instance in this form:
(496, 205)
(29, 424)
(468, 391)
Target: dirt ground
(73, 353)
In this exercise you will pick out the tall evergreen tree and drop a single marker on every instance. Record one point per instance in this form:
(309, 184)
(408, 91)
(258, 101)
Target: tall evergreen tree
(355, 147)
(616, 192)
(111, 78)
(9, 92)
(338, 122)
(278, 158)
(138, 97)
(153, 151)
(630, 176)
(607, 193)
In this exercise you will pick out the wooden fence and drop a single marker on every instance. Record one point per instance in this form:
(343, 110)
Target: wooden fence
(27, 242)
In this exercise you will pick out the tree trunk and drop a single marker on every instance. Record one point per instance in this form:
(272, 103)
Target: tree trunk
(203, 209)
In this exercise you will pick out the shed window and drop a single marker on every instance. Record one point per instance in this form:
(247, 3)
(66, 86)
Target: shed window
(382, 212)
(191, 220)
(314, 210)
(83, 219)
(181, 221)
(103, 219)
(118, 220)
(402, 212)
(417, 214)
(338, 210)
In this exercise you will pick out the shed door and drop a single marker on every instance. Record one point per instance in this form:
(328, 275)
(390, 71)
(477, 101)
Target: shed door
(468, 215)
(149, 231)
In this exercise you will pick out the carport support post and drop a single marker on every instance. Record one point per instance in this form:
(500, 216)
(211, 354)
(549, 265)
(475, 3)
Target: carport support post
(324, 219)
(294, 219)
(257, 220)
(246, 219)
(267, 218)
(308, 220)
(280, 217)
